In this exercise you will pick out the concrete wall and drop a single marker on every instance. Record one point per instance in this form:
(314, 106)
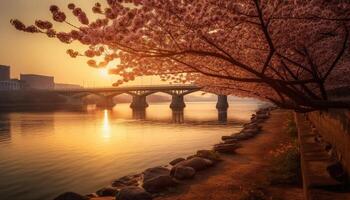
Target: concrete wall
(4, 73)
(334, 126)
(38, 81)
(10, 85)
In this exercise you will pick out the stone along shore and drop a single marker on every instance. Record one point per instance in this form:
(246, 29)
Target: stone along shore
(154, 182)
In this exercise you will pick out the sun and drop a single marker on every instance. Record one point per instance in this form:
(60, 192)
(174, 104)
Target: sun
(104, 72)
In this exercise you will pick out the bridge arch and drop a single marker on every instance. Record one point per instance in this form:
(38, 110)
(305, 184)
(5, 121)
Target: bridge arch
(139, 94)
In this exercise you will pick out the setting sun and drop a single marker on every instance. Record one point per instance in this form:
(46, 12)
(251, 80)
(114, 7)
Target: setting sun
(104, 72)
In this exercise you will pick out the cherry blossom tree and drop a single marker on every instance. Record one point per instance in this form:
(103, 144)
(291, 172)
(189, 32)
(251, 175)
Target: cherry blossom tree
(290, 52)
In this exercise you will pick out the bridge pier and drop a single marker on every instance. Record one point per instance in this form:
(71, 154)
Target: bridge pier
(178, 117)
(177, 103)
(222, 107)
(139, 102)
(139, 114)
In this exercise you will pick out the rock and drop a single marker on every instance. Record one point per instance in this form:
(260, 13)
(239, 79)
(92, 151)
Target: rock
(154, 172)
(231, 141)
(227, 137)
(190, 157)
(71, 196)
(127, 181)
(250, 125)
(133, 193)
(337, 172)
(253, 125)
(177, 160)
(258, 121)
(158, 183)
(253, 116)
(262, 111)
(251, 130)
(91, 195)
(262, 116)
(107, 191)
(157, 179)
(196, 163)
(243, 136)
(184, 172)
(209, 154)
(248, 134)
(226, 148)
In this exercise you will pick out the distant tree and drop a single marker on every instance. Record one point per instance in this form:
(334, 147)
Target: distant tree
(290, 52)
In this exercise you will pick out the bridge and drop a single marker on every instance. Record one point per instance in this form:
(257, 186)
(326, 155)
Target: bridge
(139, 94)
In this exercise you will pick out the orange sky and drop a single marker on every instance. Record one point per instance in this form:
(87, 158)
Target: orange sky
(37, 54)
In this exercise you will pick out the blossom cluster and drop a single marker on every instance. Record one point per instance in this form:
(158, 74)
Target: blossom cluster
(290, 52)
(43, 24)
(57, 15)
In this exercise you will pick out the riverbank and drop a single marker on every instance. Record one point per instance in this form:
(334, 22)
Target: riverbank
(34, 101)
(241, 172)
(249, 167)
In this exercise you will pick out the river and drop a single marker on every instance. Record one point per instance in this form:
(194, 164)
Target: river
(45, 154)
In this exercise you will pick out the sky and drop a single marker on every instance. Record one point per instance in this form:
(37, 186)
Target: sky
(37, 54)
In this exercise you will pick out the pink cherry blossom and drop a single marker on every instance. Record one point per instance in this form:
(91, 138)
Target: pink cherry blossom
(43, 24)
(83, 18)
(54, 8)
(97, 8)
(292, 53)
(31, 29)
(18, 25)
(92, 63)
(64, 37)
(71, 6)
(77, 11)
(59, 16)
(89, 53)
(51, 33)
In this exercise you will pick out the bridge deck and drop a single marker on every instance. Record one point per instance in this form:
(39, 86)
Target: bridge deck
(131, 88)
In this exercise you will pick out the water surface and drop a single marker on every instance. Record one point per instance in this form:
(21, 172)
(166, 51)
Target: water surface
(45, 154)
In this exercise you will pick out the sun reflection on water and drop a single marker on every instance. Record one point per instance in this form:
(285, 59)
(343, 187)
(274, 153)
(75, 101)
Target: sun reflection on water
(106, 128)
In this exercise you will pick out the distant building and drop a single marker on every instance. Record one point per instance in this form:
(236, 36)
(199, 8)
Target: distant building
(4, 73)
(13, 84)
(67, 86)
(34, 81)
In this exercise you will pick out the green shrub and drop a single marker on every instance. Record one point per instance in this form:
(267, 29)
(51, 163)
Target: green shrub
(285, 165)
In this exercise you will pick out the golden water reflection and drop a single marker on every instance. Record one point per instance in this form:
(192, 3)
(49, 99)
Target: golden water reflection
(106, 128)
(59, 151)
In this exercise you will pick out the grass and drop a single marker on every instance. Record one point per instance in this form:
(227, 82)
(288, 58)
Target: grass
(285, 169)
(285, 162)
(286, 166)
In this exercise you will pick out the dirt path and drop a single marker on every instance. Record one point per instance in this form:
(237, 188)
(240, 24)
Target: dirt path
(224, 182)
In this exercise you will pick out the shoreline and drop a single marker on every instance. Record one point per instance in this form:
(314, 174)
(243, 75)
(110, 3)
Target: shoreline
(154, 183)
(246, 169)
